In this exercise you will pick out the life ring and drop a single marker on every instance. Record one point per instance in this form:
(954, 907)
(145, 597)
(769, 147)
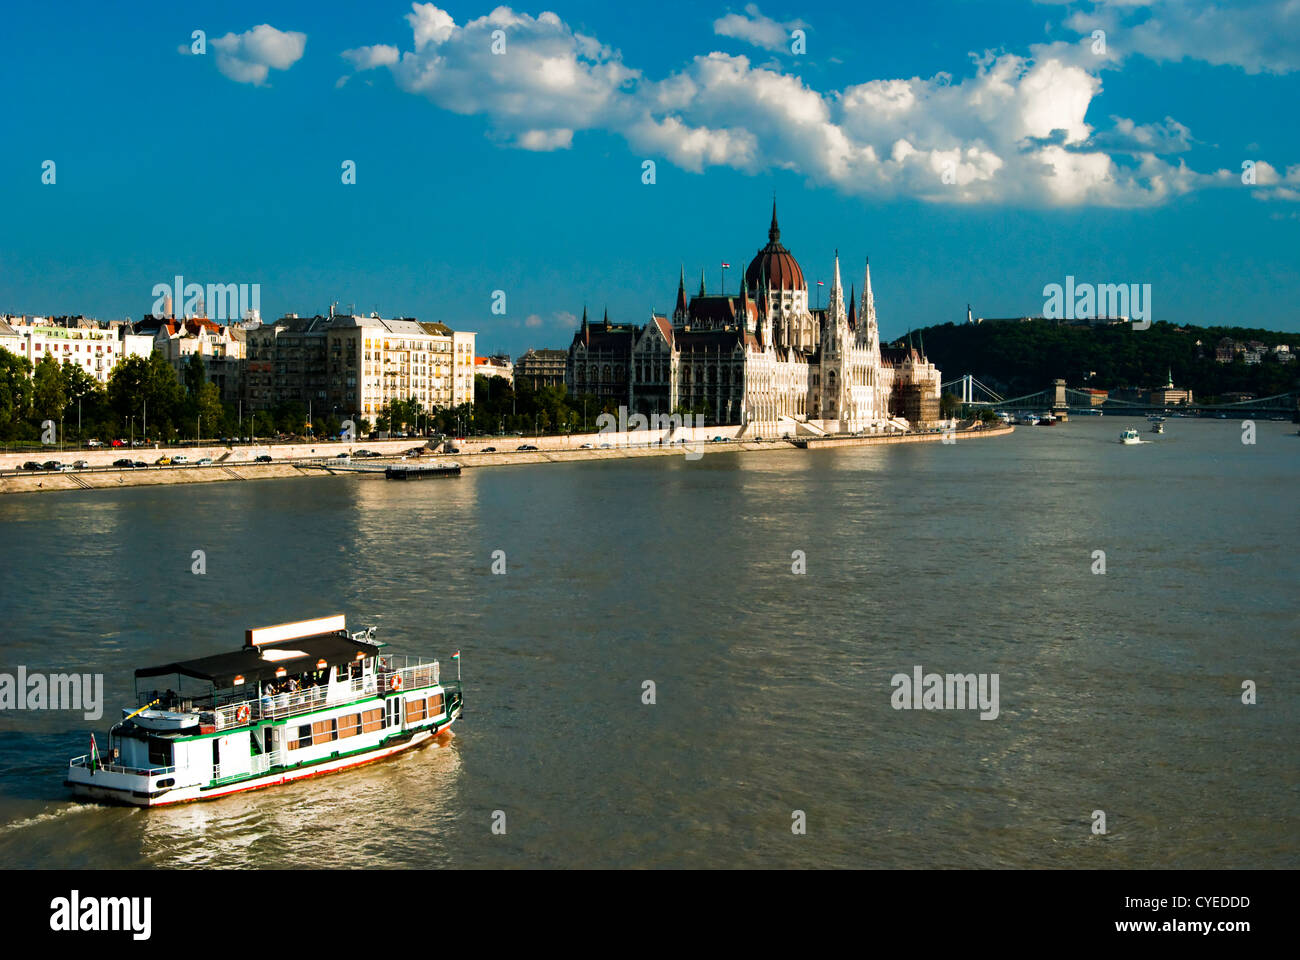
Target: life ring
(242, 713)
(396, 682)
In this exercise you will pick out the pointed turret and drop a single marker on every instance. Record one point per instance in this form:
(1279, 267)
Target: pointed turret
(743, 310)
(679, 312)
(774, 231)
(853, 309)
(868, 332)
(606, 318)
(701, 293)
(836, 320)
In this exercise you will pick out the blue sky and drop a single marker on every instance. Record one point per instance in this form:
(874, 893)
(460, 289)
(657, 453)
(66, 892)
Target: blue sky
(976, 152)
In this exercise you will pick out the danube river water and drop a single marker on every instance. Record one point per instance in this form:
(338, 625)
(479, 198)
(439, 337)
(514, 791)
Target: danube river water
(1118, 692)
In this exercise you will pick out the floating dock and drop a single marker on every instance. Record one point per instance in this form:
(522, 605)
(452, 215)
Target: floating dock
(425, 472)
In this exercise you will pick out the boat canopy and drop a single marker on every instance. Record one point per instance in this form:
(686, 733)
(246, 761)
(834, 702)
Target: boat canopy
(258, 664)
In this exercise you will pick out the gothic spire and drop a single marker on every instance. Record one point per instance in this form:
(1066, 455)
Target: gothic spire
(701, 293)
(774, 231)
(680, 310)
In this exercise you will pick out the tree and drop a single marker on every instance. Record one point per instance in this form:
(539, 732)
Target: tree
(141, 387)
(15, 394)
(48, 396)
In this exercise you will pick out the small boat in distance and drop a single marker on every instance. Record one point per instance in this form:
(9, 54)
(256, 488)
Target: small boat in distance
(298, 700)
(1130, 436)
(1157, 427)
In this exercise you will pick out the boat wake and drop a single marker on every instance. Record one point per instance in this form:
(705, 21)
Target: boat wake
(48, 816)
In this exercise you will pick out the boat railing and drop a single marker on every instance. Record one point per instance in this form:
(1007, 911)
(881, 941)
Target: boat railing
(257, 766)
(393, 673)
(84, 761)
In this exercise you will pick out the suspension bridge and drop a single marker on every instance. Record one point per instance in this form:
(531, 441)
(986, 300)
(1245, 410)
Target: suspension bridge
(976, 396)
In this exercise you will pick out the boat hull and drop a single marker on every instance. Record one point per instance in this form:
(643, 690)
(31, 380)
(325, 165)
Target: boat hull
(88, 789)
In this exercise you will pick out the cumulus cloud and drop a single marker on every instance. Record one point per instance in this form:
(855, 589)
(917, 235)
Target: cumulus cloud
(756, 29)
(1126, 136)
(1259, 36)
(247, 57)
(1272, 184)
(1013, 130)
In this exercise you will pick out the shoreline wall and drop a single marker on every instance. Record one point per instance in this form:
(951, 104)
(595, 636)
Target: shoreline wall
(559, 452)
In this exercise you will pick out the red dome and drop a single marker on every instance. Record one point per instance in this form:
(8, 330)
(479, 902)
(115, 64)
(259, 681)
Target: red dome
(774, 264)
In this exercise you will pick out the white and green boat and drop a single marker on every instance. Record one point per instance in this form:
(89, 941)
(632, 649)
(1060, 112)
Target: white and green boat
(297, 700)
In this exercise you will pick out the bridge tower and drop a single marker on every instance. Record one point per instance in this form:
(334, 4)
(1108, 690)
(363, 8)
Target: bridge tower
(1059, 406)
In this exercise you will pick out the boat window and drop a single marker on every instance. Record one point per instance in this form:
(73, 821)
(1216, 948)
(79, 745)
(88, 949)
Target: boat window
(415, 710)
(160, 752)
(324, 731)
(372, 720)
(303, 739)
(435, 704)
(349, 726)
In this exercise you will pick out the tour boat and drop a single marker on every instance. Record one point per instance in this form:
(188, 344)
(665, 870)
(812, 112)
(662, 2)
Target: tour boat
(297, 700)
(1157, 427)
(1130, 436)
(1029, 419)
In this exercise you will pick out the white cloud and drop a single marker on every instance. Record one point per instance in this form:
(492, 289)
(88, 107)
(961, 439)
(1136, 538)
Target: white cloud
(1160, 138)
(247, 57)
(367, 58)
(756, 29)
(1259, 36)
(1013, 131)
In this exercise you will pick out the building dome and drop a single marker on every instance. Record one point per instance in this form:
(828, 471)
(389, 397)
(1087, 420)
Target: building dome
(774, 264)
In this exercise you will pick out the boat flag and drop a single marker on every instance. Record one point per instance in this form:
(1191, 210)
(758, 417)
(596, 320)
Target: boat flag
(456, 655)
(726, 266)
(94, 753)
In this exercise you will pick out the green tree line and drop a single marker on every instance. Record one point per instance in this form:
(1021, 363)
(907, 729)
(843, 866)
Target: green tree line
(1020, 358)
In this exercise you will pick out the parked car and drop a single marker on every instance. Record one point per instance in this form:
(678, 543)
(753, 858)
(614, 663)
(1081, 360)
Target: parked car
(605, 446)
(585, 446)
(93, 444)
(451, 449)
(264, 458)
(489, 450)
(124, 462)
(163, 461)
(525, 446)
(31, 465)
(203, 462)
(81, 465)
(343, 456)
(54, 465)
(718, 440)
(140, 465)
(118, 443)
(180, 459)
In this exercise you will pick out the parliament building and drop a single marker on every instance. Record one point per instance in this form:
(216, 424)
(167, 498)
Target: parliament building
(761, 358)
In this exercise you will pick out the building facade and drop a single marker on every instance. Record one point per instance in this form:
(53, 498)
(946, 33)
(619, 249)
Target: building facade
(495, 366)
(221, 346)
(762, 358)
(353, 366)
(93, 346)
(542, 368)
